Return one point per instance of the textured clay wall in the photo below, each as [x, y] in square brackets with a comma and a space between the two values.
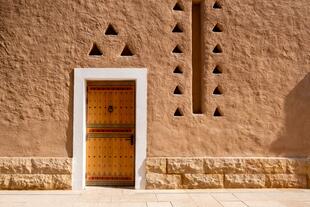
[265, 77]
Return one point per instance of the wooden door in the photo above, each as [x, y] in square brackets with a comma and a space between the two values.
[110, 145]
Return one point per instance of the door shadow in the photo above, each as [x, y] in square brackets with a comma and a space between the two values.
[69, 133]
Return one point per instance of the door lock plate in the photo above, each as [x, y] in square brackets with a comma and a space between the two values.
[110, 109]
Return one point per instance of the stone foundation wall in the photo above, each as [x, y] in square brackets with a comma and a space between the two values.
[175, 172]
[23, 173]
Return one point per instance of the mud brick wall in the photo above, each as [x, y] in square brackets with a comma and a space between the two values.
[263, 84]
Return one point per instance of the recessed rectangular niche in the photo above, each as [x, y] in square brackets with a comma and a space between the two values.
[196, 58]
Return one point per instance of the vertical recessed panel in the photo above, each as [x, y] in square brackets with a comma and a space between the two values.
[196, 58]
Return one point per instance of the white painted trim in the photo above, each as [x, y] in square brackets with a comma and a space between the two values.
[81, 75]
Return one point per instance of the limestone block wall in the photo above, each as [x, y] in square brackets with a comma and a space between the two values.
[24, 173]
[206, 172]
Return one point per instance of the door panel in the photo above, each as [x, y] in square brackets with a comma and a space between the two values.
[120, 98]
[110, 145]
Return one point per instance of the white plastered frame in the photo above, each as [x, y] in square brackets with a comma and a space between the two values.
[81, 76]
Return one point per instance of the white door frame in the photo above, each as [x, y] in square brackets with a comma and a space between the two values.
[81, 76]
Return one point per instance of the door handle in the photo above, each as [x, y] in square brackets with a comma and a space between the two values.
[131, 139]
[110, 108]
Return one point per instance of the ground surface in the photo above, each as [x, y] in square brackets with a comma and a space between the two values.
[158, 198]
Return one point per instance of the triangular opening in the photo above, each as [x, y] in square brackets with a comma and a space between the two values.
[177, 29]
[217, 91]
[177, 7]
[217, 70]
[177, 49]
[217, 5]
[217, 28]
[177, 91]
[178, 112]
[217, 112]
[110, 30]
[217, 49]
[126, 51]
[178, 70]
[95, 51]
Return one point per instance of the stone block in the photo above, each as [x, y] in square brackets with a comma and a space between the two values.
[185, 165]
[245, 165]
[30, 182]
[244, 181]
[298, 166]
[265, 166]
[286, 181]
[55, 165]
[61, 182]
[224, 165]
[34, 182]
[15, 165]
[156, 165]
[162, 181]
[5, 181]
[202, 181]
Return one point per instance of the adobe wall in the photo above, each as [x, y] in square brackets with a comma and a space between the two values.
[265, 76]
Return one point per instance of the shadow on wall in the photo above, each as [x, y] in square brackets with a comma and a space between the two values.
[294, 140]
[69, 133]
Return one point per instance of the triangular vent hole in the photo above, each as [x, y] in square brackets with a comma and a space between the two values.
[177, 70]
[217, 49]
[177, 29]
[178, 112]
[217, 5]
[177, 7]
[217, 70]
[217, 28]
[217, 112]
[110, 30]
[177, 49]
[177, 91]
[126, 51]
[217, 91]
[95, 51]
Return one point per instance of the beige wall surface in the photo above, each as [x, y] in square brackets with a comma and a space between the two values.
[265, 80]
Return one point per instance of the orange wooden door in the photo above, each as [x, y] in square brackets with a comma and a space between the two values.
[110, 133]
